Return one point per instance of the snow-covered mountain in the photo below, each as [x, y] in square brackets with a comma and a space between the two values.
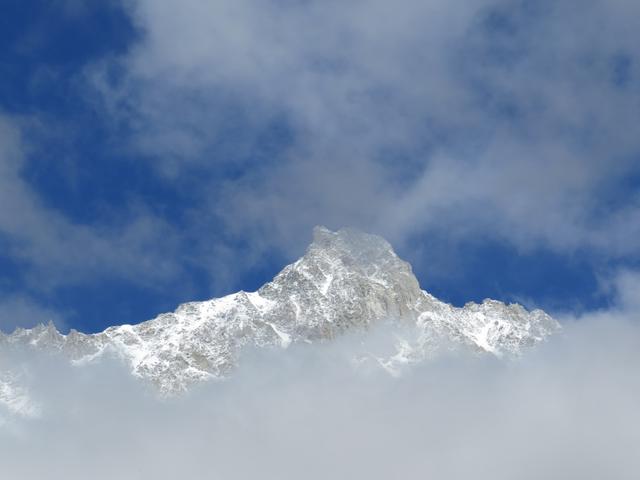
[347, 281]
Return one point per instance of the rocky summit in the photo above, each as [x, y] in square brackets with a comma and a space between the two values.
[347, 281]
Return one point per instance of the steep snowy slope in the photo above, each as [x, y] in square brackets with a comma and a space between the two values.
[347, 281]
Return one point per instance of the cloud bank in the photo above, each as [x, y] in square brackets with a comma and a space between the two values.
[568, 410]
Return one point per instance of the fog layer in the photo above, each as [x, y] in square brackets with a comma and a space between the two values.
[567, 410]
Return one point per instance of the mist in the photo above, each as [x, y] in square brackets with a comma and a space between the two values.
[568, 409]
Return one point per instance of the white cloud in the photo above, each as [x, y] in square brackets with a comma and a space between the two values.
[567, 410]
[411, 118]
[53, 250]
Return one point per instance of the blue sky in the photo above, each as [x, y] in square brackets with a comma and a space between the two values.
[153, 153]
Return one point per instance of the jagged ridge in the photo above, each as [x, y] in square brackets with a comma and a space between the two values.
[347, 280]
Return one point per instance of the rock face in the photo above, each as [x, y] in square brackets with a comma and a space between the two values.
[347, 281]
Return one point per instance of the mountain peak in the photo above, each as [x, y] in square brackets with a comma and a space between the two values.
[350, 251]
[356, 270]
[351, 242]
[347, 281]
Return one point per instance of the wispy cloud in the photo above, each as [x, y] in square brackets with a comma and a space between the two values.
[508, 122]
[20, 311]
[52, 249]
[499, 119]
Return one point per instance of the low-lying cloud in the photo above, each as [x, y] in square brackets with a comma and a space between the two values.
[567, 410]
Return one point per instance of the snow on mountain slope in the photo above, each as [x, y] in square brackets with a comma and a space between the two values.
[347, 281]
